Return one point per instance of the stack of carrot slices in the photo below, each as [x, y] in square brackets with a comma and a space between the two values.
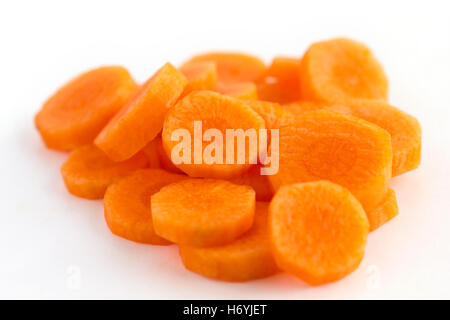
[306, 208]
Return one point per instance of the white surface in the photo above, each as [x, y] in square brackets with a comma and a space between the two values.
[54, 245]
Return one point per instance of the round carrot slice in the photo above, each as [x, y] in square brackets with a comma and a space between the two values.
[87, 172]
[404, 129]
[203, 212]
[127, 204]
[239, 90]
[274, 116]
[244, 259]
[346, 150]
[158, 157]
[300, 107]
[337, 70]
[385, 211]
[200, 111]
[233, 67]
[281, 81]
[272, 113]
[200, 75]
[318, 231]
[141, 119]
[260, 183]
[164, 160]
[78, 111]
[151, 151]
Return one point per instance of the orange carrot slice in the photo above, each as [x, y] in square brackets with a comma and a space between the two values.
[127, 204]
[203, 212]
[337, 70]
[212, 111]
[300, 107]
[78, 111]
[244, 259]
[259, 183]
[87, 172]
[158, 157]
[281, 82]
[346, 150]
[384, 212]
[200, 76]
[151, 151]
[141, 119]
[404, 129]
[318, 231]
[239, 90]
[272, 113]
[233, 67]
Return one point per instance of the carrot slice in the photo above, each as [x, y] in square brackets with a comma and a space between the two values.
[244, 259]
[259, 183]
[200, 76]
[151, 151]
[141, 119]
[384, 212]
[346, 150]
[318, 231]
[337, 70]
[233, 67]
[239, 90]
[405, 131]
[156, 154]
[128, 212]
[300, 107]
[213, 111]
[203, 212]
[272, 113]
[281, 82]
[87, 172]
[78, 111]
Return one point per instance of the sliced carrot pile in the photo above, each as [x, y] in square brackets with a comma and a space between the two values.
[246, 258]
[233, 67]
[78, 111]
[127, 204]
[200, 76]
[212, 111]
[346, 150]
[313, 136]
[338, 70]
[203, 212]
[87, 172]
[385, 211]
[281, 81]
[141, 119]
[240, 90]
[318, 231]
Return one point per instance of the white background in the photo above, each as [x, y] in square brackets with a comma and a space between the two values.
[53, 245]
